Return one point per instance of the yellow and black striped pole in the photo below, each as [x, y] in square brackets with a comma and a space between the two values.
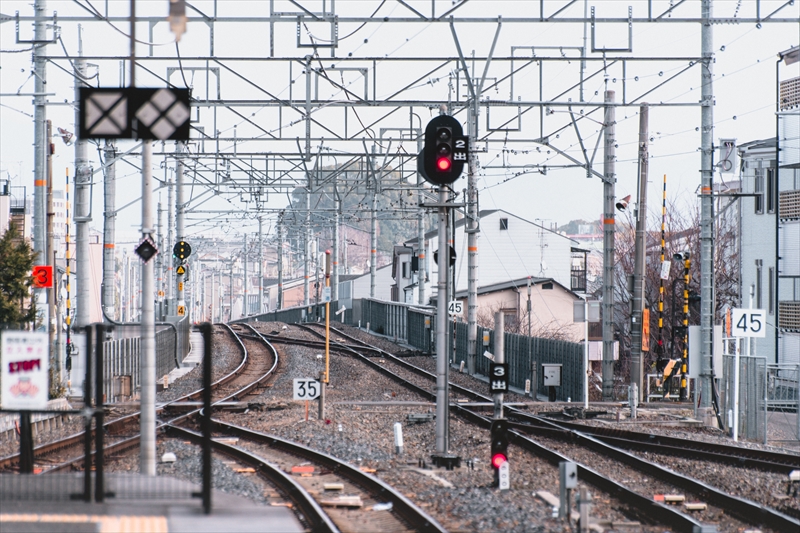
[685, 357]
[660, 349]
[68, 318]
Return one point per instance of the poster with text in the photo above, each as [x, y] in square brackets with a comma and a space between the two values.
[25, 365]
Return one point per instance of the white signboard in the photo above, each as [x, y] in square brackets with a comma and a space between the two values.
[455, 308]
[748, 323]
[326, 294]
[504, 476]
[25, 360]
[665, 266]
[305, 389]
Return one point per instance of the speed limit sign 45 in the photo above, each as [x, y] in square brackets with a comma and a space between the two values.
[748, 323]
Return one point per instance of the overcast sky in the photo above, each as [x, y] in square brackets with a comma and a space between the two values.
[744, 86]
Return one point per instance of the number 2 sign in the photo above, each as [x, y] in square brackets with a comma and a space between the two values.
[748, 322]
[42, 277]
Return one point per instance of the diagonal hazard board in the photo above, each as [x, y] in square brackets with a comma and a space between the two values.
[134, 113]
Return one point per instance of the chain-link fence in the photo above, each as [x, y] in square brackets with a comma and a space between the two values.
[783, 404]
[752, 378]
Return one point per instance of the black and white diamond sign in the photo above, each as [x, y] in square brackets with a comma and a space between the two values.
[134, 113]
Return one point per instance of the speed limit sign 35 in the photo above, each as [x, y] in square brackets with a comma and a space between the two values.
[305, 389]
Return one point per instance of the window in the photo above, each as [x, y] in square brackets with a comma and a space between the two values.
[503, 223]
[771, 190]
[771, 289]
[547, 286]
[405, 269]
[759, 263]
[758, 189]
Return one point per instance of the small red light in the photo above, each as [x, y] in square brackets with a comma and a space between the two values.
[498, 459]
[443, 164]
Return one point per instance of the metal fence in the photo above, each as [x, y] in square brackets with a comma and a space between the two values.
[421, 328]
[122, 356]
[416, 326]
[752, 424]
[783, 403]
[525, 357]
[292, 315]
[386, 318]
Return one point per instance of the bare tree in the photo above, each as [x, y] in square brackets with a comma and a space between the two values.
[682, 234]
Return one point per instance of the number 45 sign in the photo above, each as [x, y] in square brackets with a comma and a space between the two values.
[748, 323]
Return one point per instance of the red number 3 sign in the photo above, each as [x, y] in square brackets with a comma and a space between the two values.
[42, 277]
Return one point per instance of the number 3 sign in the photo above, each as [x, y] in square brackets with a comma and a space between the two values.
[42, 277]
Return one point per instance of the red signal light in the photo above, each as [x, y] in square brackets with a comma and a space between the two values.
[444, 164]
[498, 459]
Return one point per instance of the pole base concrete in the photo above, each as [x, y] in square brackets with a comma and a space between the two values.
[707, 417]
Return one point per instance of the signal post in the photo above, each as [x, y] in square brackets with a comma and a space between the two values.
[441, 163]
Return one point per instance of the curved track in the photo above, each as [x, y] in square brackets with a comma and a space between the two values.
[272, 456]
[241, 380]
[747, 511]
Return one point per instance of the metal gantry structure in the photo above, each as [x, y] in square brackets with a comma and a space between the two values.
[313, 97]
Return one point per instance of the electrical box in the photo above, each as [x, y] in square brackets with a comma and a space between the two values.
[568, 474]
[552, 375]
[726, 156]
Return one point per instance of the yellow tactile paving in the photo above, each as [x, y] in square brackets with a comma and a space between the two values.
[108, 524]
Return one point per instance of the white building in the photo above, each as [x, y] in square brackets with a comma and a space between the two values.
[509, 247]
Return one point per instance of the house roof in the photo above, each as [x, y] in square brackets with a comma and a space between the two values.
[753, 146]
[514, 284]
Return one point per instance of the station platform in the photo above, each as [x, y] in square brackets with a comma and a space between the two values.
[125, 514]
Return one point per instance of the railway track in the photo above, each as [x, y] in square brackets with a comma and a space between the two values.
[67, 453]
[324, 510]
[272, 457]
[419, 380]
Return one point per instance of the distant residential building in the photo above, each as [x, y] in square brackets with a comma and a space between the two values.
[551, 307]
[757, 228]
[788, 214]
[769, 226]
[509, 247]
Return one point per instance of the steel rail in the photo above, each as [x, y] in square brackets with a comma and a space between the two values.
[402, 506]
[315, 516]
[748, 511]
[721, 453]
[119, 423]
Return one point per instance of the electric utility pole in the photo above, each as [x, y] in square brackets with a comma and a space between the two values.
[706, 215]
[637, 298]
[609, 194]
[40, 145]
[83, 208]
[109, 228]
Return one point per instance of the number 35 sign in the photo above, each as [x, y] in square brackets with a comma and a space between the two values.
[305, 389]
[748, 323]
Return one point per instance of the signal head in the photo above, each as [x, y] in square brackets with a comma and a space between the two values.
[445, 151]
[498, 459]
